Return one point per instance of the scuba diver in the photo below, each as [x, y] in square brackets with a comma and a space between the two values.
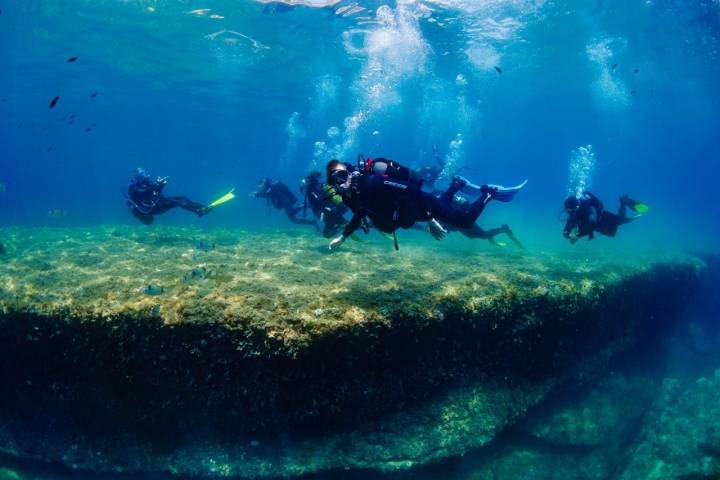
[430, 173]
[586, 216]
[281, 198]
[325, 204]
[457, 201]
[145, 198]
[390, 195]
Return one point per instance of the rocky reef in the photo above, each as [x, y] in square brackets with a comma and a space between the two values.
[260, 354]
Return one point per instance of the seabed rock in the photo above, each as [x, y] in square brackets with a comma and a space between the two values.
[284, 359]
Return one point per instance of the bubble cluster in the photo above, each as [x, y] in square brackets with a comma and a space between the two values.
[580, 170]
[454, 158]
[295, 132]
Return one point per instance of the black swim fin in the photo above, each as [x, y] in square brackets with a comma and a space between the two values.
[512, 237]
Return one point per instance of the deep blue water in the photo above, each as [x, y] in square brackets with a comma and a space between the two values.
[219, 94]
[210, 102]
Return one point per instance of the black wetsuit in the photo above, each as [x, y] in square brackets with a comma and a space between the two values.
[145, 200]
[391, 204]
[323, 207]
[282, 198]
[475, 231]
[589, 217]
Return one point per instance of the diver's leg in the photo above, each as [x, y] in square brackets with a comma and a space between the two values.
[609, 223]
[465, 218]
[446, 212]
[477, 232]
[511, 236]
[167, 203]
[292, 212]
[622, 210]
[470, 188]
[145, 218]
[455, 186]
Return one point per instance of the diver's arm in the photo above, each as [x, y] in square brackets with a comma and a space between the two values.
[349, 229]
[596, 203]
[157, 186]
[352, 225]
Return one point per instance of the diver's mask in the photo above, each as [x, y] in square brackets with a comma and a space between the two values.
[338, 177]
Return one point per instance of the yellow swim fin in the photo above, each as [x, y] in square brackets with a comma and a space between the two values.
[225, 198]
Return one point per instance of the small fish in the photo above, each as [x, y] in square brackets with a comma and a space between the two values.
[204, 245]
[3, 188]
[199, 11]
[498, 69]
[54, 101]
[633, 92]
[88, 129]
[54, 212]
[94, 125]
[72, 116]
[4, 100]
[20, 125]
[72, 59]
[216, 16]
[636, 70]
[155, 311]
[93, 95]
[199, 272]
[614, 66]
[49, 149]
[63, 119]
[2, 249]
[152, 289]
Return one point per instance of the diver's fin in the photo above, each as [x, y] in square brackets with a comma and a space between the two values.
[505, 194]
[355, 237]
[512, 237]
[386, 235]
[225, 198]
[641, 208]
[638, 207]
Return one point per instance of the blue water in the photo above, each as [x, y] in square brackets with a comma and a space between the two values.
[216, 103]
[219, 94]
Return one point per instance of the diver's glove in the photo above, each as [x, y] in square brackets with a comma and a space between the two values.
[336, 242]
[436, 230]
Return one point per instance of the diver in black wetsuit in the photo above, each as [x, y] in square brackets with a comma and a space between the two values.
[430, 173]
[145, 198]
[475, 232]
[281, 198]
[390, 195]
[586, 215]
[325, 204]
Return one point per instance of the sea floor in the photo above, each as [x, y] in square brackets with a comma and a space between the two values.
[617, 413]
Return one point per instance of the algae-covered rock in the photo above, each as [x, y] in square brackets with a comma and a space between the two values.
[681, 435]
[596, 419]
[284, 358]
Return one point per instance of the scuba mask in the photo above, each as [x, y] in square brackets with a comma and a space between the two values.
[338, 177]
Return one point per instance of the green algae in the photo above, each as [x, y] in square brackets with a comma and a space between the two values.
[290, 285]
[394, 359]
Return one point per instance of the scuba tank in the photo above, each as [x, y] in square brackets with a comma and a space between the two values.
[389, 168]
